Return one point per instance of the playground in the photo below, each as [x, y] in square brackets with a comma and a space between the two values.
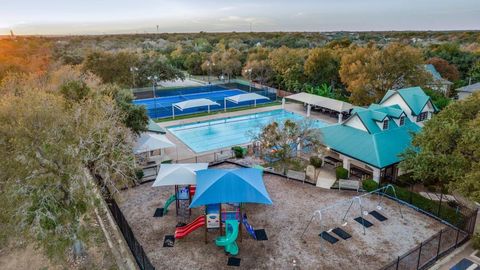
[294, 206]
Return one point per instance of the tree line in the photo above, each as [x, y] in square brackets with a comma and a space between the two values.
[340, 68]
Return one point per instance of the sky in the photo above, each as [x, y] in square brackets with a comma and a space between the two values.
[58, 17]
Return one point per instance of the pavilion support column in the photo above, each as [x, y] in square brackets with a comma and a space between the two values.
[225, 104]
[173, 112]
[376, 175]
[309, 107]
[346, 165]
[340, 117]
[283, 103]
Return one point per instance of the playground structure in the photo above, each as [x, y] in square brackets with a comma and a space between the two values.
[222, 193]
[183, 231]
[361, 219]
[183, 178]
[228, 241]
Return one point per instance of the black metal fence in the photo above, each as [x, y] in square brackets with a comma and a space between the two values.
[137, 249]
[460, 221]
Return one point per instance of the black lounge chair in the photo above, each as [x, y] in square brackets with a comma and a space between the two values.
[328, 237]
[364, 222]
[378, 216]
[341, 233]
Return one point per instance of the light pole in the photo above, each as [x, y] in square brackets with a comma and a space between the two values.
[154, 80]
[210, 65]
[133, 70]
[249, 71]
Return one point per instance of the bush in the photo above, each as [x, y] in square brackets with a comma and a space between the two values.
[341, 173]
[369, 185]
[447, 213]
[316, 162]
[476, 241]
[239, 151]
[139, 174]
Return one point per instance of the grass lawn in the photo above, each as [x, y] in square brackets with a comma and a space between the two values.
[160, 120]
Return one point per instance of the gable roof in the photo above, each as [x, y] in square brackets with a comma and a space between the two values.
[432, 70]
[154, 127]
[379, 149]
[376, 113]
[414, 97]
[470, 88]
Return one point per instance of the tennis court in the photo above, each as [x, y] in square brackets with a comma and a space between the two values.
[161, 106]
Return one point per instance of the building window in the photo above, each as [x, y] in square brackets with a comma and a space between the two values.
[402, 120]
[385, 124]
[422, 116]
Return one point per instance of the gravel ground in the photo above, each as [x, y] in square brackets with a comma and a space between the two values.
[284, 221]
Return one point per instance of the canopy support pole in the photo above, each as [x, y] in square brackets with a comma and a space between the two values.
[224, 104]
[254, 103]
[173, 111]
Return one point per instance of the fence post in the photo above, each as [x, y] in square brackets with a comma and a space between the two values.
[440, 204]
[419, 255]
[398, 262]
[456, 239]
[411, 194]
[439, 244]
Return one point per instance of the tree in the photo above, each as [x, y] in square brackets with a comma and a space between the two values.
[154, 65]
[230, 62]
[321, 66]
[447, 71]
[453, 54]
[280, 140]
[370, 72]
[193, 63]
[112, 67]
[445, 153]
[53, 142]
[288, 67]
[474, 73]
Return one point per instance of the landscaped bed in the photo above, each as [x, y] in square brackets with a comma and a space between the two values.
[284, 221]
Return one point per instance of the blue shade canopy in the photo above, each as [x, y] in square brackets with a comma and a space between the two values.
[230, 186]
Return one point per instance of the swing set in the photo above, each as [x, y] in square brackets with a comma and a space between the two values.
[379, 193]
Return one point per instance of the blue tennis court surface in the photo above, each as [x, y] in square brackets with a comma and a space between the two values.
[225, 132]
[161, 107]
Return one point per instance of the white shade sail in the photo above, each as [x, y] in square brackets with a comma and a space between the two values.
[328, 103]
[193, 103]
[178, 174]
[151, 141]
[245, 97]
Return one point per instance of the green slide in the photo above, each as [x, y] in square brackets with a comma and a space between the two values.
[228, 241]
[167, 204]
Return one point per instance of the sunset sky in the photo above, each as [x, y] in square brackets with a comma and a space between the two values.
[125, 16]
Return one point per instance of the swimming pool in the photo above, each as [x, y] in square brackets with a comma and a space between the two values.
[161, 106]
[225, 132]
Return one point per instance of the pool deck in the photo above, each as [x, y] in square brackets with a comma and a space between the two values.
[183, 152]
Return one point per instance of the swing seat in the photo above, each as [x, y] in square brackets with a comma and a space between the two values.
[328, 237]
[341, 233]
[378, 216]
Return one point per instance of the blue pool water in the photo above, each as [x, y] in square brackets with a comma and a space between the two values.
[161, 106]
[226, 132]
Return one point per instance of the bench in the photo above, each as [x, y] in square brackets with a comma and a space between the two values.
[296, 175]
[348, 184]
[332, 161]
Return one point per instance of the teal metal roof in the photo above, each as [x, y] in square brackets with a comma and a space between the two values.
[379, 149]
[154, 127]
[243, 185]
[415, 98]
[432, 70]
